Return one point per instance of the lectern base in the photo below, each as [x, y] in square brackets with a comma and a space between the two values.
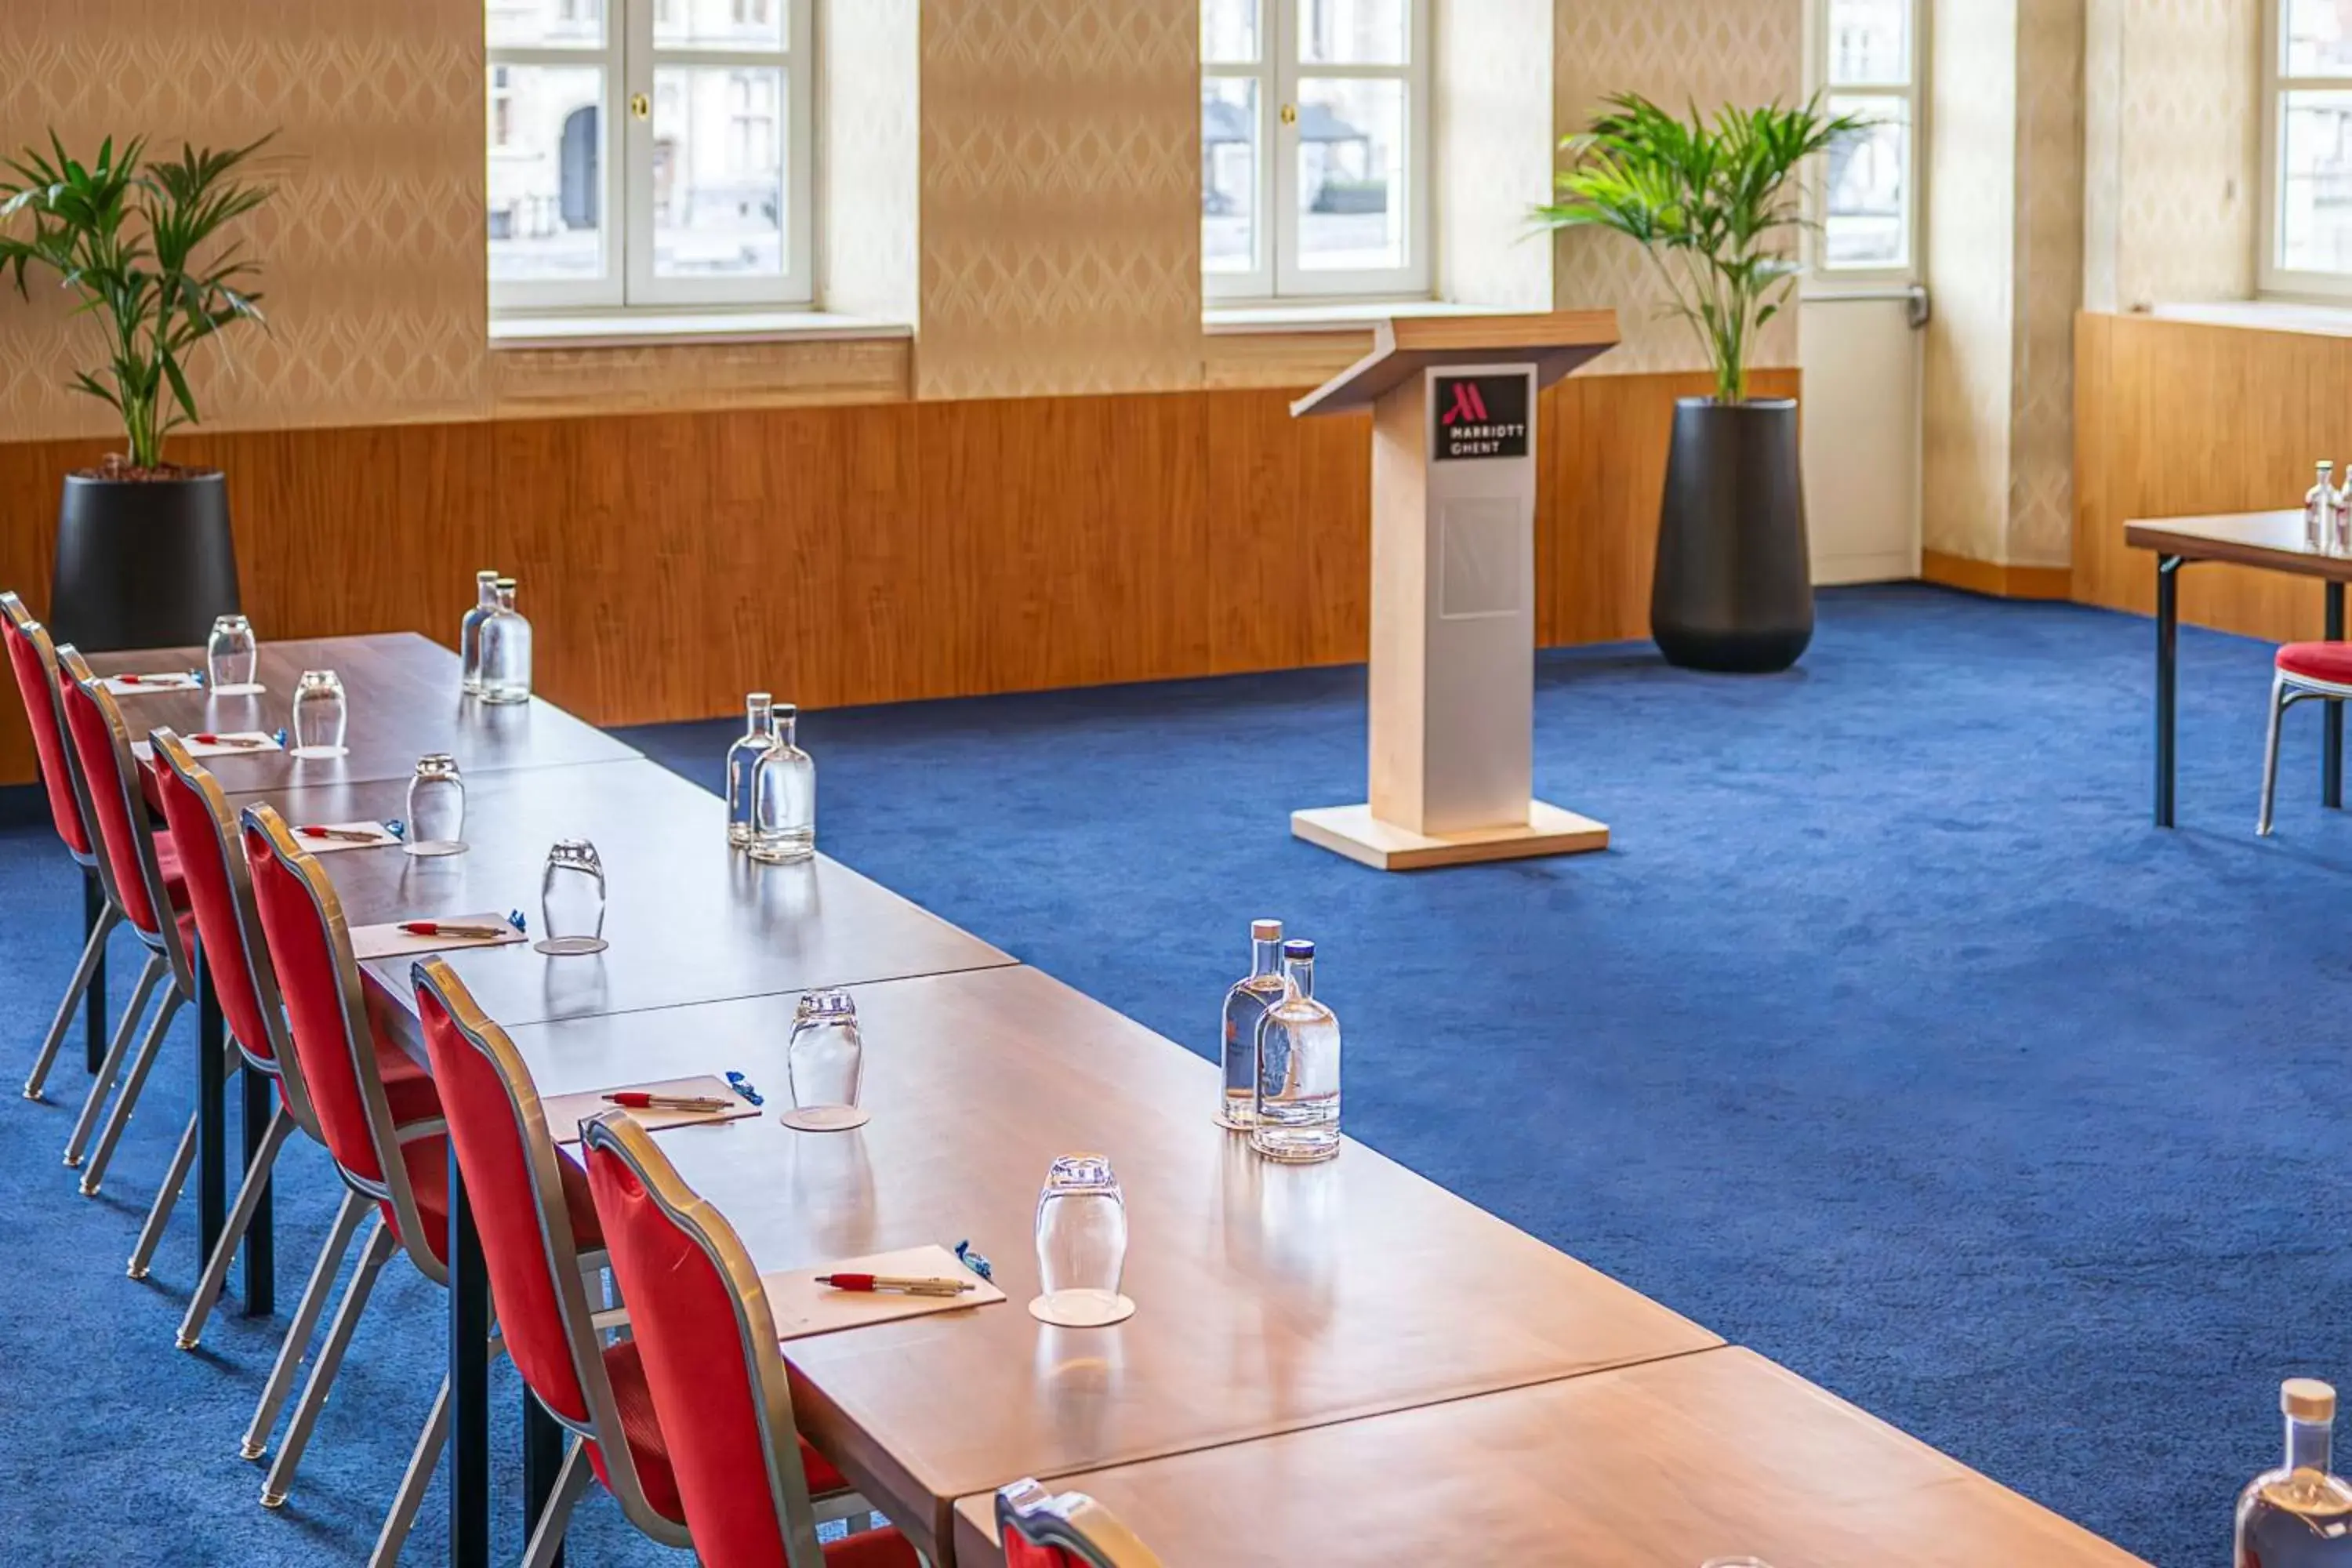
[1355, 832]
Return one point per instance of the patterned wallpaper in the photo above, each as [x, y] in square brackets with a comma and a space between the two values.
[1061, 220]
[374, 243]
[1709, 52]
[2047, 269]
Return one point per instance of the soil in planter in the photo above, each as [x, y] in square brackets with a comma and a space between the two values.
[118, 468]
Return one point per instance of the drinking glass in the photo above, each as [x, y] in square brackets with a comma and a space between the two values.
[571, 899]
[436, 808]
[230, 654]
[825, 1063]
[319, 714]
[1081, 1240]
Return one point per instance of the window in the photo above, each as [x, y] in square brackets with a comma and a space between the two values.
[648, 153]
[1338, 91]
[2307, 149]
[1866, 61]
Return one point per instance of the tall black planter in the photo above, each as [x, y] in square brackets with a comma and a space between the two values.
[1734, 589]
[141, 563]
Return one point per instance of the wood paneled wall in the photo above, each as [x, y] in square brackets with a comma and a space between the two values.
[2174, 418]
[878, 553]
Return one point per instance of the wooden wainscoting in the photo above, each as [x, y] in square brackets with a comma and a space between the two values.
[2175, 418]
[877, 552]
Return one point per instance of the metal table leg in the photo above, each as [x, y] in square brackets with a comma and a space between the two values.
[2331, 759]
[469, 1383]
[260, 1235]
[2168, 677]
[542, 1460]
[93, 910]
[212, 1116]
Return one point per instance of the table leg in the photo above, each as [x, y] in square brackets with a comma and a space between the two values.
[260, 1235]
[543, 1459]
[469, 1383]
[212, 1116]
[2168, 649]
[93, 1007]
[2331, 759]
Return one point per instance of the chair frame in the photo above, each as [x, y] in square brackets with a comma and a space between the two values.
[1072, 1522]
[2287, 689]
[101, 912]
[618, 1133]
[582, 1325]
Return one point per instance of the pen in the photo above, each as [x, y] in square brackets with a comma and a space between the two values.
[240, 743]
[345, 834]
[642, 1099]
[898, 1283]
[440, 928]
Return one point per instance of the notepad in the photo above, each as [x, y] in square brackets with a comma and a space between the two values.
[566, 1112]
[802, 1307]
[143, 685]
[378, 834]
[388, 941]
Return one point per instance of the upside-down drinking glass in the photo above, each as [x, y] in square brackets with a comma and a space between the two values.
[571, 899]
[319, 714]
[1081, 1229]
[230, 654]
[826, 1058]
[436, 807]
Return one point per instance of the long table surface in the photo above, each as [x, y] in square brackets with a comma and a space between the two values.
[2271, 540]
[1269, 1298]
[1664, 1465]
[403, 698]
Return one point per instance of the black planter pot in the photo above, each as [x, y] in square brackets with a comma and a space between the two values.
[1734, 590]
[141, 563]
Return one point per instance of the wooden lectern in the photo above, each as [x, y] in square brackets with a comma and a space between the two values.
[1453, 401]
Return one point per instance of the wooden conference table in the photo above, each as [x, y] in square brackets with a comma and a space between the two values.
[1282, 1309]
[2270, 540]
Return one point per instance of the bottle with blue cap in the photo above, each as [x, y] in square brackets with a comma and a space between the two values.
[1296, 1118]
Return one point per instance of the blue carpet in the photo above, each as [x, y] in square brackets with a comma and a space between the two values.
[1889, 1038]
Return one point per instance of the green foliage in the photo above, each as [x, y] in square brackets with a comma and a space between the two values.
[1711, 205]
[123, 233]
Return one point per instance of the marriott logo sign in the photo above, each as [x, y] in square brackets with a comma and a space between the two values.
[1481, 416]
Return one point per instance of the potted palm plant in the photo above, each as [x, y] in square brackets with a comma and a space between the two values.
[145, 554]
[1713, 205]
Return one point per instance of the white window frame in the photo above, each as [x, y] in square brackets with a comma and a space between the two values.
[1276, 274]
[627, 60]
[1821, 277]
[2273, 278]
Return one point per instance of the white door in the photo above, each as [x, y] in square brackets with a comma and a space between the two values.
[1863, 304]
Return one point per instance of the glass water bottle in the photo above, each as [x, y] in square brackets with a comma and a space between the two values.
[469, 634]
[743, 765]
[2319, 510]
[2299, 1515]
[783, 796]
[1247, 1004]
[506, 649]
[1297, 1110]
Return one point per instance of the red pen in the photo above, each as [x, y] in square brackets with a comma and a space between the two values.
[901, 1284]
[436, 928]
[249, 745]
[645, 1100]
[342, 835]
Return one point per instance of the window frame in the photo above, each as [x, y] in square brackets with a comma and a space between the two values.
[627, 61]
[1824, 276]
[2273, 278]
[1276, 276]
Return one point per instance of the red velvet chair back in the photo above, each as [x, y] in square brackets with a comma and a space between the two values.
[34, 661]
[708, 1343]
[309, 950]
[101, 746]
[1040, 1530]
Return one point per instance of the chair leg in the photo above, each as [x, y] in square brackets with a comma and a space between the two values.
[167, 1197]
[421, 1462]
[306, 1322]
[103, 1084]
[381, 1244]
[92, 954]
[571, 1485]
[2270, 757]
[240, 1218]
[119, 1116]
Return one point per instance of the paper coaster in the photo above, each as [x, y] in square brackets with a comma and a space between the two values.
[433, 847]
[320, 754]
[570, 946]
[243, 688]
[824, 1118]
[1082, 1308]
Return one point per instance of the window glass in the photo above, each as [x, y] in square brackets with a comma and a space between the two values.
[1866, 179]
[719, 182]
[2315, 227]
[1229, 31]
[1351, 173]
[719, 25]
[546, 173]
[544, 24]
[1355, 32]
[2315, 36]
[1869, 43]
[1229, 173]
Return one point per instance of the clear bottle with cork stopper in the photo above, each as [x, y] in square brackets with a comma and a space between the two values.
[1247, 1002]
[2319, 509]
[2298, 1515]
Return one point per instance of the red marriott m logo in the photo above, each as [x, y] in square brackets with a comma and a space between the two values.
[1467, 404]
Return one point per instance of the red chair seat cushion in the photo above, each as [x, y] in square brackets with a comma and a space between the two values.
[871, 1549]
[2329, 661]
[625, 1368]
[427, 1160]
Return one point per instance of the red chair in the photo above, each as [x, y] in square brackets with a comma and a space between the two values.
[382, 1126]
[228, 931]
[708, 1343]
[142, 877]
[34, 662]
[2305, 669]
[1071, 1531]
